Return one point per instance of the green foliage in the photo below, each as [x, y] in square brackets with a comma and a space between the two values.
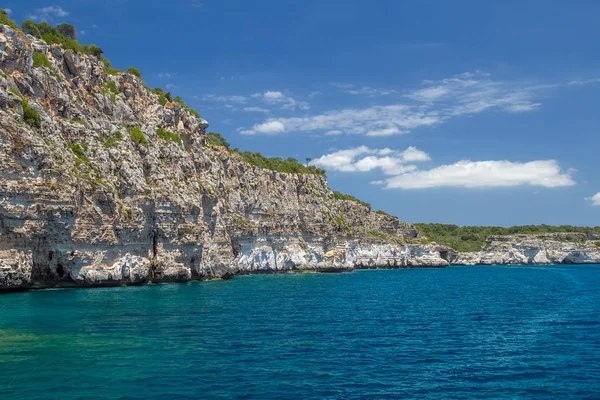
[138, 137]
[93, 50]
[216, 139]
[291, 165]
[16, 91]
[166, 135]
[381, 212]
[134, 71]
[163, 97]
[113, 141]
[40, 60]
[67, 30]
[29, 26]
[342, 196]
[64, 35]
[31, 116]
[110, 88]
[108, 68]
[5, 20]
[79, 151]
[472, 238]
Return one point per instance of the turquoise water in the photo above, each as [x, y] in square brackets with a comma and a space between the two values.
[460, 332]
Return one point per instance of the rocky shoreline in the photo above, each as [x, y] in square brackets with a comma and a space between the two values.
[104, 183]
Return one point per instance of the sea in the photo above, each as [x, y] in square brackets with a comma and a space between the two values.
[483, 332]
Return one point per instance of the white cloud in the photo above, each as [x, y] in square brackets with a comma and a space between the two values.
[595, 199]
[170, 86]
[374, 121]
[314, 94]
[224, 99]
[334, 133]
[8, 11]
[165, 75]
[484, 174]
[283, 101]
[363, 159]
[256, 109]
[47, 13]
[369, 91]
[434, 103]
[268, 128]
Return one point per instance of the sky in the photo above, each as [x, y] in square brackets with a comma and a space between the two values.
[461, 112]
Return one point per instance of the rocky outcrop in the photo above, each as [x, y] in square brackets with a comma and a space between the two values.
[556, 248]
[87, 199]
[95, 195]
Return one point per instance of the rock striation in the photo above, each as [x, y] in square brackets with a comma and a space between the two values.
[96, 196]
[554, 248]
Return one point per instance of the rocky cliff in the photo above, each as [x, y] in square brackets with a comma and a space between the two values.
[101, 183]
[554, 248]
[111, 187]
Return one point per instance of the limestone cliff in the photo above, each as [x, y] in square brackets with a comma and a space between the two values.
[554, 248]
[110, 187]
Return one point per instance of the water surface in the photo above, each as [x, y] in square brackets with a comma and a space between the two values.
[459, 332]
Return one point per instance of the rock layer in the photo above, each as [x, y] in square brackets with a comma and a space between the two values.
[84, 201]
[87, 200]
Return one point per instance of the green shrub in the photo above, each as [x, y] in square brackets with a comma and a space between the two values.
[79, 151]
[31, 116]
[291, 165]
[166, 135]
[342, 196]
[163, 96]
[381, 212]
[180, 101]
[67, 30]
[5, 20]
[134, 71]
[112, 141]
[472, 238]
[40, 60]
[110, 88]
[28, 26]
[138, 137]
[216, 139]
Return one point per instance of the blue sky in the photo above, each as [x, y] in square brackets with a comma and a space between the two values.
[464, 112]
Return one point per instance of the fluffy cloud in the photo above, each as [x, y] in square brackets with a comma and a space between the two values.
[434, 103]
[283, 101]
[373, 121]
[268, 128]
[363, 159]
[256, 109]
[484, 174]
[225, 99]
[404, 174]
[47, 13]
[595, 199]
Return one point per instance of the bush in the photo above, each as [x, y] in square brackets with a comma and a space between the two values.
[93, 50]
[67, 30]
[31, 116]
[138, 137]
[163, 96]
[381, 212]
[40, 60]
[166, 135]
[342, 196]
[291, 165]
[79, 150]
[5, 20]
[472, 238]
[110, 88]
[134, 71]
[112, 141]
[29, 27]
[216, 139]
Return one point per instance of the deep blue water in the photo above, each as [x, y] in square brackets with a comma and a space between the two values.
[460, 332]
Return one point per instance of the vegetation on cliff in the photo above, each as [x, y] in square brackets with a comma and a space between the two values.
[472, 238]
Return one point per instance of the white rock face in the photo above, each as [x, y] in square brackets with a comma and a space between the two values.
[94, 196]
[534, 249]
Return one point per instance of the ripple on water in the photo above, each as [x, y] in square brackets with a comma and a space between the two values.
[464, 332]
